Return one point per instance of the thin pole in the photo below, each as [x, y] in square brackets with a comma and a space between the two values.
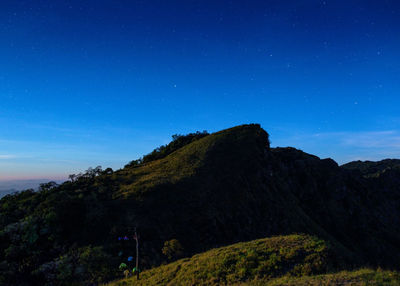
[137, 255]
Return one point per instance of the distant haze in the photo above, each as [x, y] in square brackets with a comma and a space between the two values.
[11, 186]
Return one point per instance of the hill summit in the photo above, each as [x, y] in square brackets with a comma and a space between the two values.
[205, 191]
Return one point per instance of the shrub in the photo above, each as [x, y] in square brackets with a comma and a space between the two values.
[172, 249]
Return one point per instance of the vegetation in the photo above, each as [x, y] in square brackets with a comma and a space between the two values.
[362, 277]
[172, 249]
[296, 255]
[178, 141]
[204, 191]
[374, 169]
[281, 260]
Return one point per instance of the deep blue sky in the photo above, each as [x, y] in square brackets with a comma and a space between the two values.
[87, 83]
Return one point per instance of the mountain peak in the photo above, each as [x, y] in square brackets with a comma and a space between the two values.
[205, 190]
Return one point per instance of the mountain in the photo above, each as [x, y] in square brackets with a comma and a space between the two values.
[374, 169]
[205, 191]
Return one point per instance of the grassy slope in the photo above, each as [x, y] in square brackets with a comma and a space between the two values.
[186, 161]
[356, 278]
[280, 260]
[245, 262]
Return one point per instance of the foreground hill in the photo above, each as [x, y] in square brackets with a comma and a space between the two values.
[362, 277]
[281, 260]
[243, 262]
[205, 191]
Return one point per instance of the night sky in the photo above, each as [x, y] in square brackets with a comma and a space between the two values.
[87, 83]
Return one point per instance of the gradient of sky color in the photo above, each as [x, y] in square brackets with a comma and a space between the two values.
[87, 83]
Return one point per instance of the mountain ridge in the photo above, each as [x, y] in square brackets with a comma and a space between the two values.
[222, 188]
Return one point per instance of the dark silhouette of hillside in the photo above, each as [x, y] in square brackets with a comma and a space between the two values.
[212, 190]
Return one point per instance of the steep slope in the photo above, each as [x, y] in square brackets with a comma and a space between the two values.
[219, 189]
[352, 209]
